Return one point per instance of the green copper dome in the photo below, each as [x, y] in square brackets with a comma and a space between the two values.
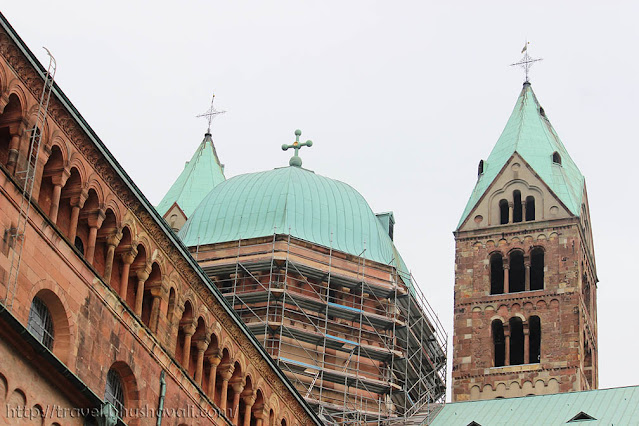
[201, 174]
[294, 201]
[530, 134]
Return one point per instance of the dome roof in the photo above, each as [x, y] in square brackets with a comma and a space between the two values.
[294, 201]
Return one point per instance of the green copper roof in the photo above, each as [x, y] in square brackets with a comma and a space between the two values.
[618, 406]
[199, 177]
[294, 201]
[530, 134]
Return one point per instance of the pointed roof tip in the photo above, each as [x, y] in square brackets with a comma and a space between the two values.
[200, 175]
[529, 133]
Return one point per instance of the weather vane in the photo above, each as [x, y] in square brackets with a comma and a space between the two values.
[211, 113]
[295, 160]
[527, 61]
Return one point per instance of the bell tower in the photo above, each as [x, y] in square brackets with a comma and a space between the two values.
[525, 278]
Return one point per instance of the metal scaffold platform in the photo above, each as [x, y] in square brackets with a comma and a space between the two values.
[358, 339]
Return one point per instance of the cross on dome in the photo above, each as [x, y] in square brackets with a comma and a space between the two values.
[295, 160]
[527, 61]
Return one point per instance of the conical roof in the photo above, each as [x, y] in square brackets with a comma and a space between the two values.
[530, 134]
[200, 175]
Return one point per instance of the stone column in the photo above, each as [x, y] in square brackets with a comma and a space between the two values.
[526, 344]
[249, 400]
[95, 220]
[55, 202]
[214, 360]
[127, 259]
[14, 151]
[156, 293]
[189, 330]
[226, 373]
[507, 348]
[237, 387]
[510, 211]
[142, 274]
[527, 274]
[112, 242]
[523, 211]
[506, 276]
[201, 346]
[77, 202]
[59, 179]
[260, 415]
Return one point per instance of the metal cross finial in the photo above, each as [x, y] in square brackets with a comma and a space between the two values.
[295, 160]
[211, 113]
[527, 61]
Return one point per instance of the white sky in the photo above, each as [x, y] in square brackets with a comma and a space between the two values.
[401, 99]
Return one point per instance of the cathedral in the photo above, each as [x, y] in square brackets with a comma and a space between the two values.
[279, 297]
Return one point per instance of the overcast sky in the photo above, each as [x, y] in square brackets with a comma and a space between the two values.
[401, 100]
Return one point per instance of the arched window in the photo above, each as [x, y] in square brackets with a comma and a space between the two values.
[516, 341]
[40, 323]
[503, 212]
[537, 269]
[517, 273]
[79, 245]
[530, 208]
[534, 347]
[556, 158]
[496, 274]
[499, 343]
[114, 392]
[517, 207]
[480, 168]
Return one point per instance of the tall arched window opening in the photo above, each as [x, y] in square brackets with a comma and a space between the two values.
[499, 343]
[517, 207]
[517, 274]
[496, 274]
[534, 343]
[516, 341]
[537, 269]
[114, 392]
[588, 370]
[40, 323]
[530, 208]
[586, 291]
[503, 212]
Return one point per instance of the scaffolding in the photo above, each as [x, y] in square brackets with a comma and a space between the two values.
[357, 338]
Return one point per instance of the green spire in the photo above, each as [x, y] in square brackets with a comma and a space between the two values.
[295, 160]
[200, 175]
[530, 134]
